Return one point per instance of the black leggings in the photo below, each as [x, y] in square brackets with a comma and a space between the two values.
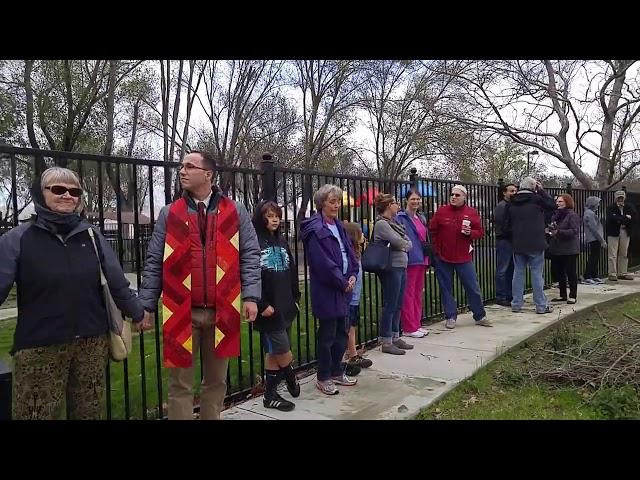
[591, 271]
[564, 266]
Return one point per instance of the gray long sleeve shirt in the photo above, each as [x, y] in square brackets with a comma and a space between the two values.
[399, 245]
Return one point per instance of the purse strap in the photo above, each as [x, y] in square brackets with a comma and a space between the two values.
[373, 231]
[426, 225]
[103, 280]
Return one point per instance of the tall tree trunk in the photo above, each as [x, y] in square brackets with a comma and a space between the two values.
[174, 125]
[165, 86]
[606, 163]
[134, 129]
[33, 141]
[107, 150]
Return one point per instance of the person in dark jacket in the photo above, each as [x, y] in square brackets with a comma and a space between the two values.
[620, 220]
[415, 225]
[593, 236]
[524, 222]
[278, 306]
[204, 258]
[334, 268]
[60, 344]
[564, 247]
[504, 253]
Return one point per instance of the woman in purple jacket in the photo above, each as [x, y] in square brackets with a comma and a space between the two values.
[415, 225]
[564, 247]
[333, 268]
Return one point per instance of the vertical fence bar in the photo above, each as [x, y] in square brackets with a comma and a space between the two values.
[14, 190]
[138, 266]
[296, 258]
[125, 364]
[100, 167]
[304, 179]
[157, 328]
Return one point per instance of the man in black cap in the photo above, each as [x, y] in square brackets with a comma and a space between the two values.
[620, 218]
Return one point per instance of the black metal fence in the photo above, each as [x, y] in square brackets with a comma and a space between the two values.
[115, 186]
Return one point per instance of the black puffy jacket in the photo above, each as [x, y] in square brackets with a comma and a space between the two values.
[280, 287]
[615, 219]
[58, 284]
[524, 221]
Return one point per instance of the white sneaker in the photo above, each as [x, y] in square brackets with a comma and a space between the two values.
[424, 330]
[416, 334]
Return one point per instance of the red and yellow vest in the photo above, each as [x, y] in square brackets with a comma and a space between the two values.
[194, 275]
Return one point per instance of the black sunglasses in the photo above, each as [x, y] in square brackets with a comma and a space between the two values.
[60, 190]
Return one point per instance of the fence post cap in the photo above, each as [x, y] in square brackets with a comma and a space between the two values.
[413, 170]
[267, 157]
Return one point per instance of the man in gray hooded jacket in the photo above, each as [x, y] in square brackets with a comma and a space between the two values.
[594, 237]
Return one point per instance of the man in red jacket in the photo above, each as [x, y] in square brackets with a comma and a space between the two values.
[453, 228]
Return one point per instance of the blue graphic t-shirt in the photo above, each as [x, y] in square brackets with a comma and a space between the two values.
[274, 258]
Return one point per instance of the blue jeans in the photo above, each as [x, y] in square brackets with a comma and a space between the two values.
[536, 264]
[504, 269]
[333, 337]
[467, 274]
[393, 285]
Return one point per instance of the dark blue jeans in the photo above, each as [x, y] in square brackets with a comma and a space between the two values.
[504, 270]
[467, 274]
[393, 285]
[333, 337]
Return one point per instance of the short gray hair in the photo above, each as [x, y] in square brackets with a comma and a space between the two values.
[528, 183]
[59, 175]
[55, 175]
[324, 192]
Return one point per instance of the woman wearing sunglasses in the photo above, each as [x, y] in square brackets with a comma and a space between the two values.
[60, 344]
[453, 227]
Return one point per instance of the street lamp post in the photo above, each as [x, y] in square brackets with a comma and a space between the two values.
[534, 152]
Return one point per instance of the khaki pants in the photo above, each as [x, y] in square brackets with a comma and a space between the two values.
[618, 248]
[214, 370]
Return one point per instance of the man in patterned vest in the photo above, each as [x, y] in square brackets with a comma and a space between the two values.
[204, 258]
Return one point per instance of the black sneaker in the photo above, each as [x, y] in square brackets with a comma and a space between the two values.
[352, 369]
[293, 387]
[360, 361]
[279, 403]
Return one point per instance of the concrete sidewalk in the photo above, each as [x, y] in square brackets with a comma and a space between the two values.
[7, 313]
[398, 387]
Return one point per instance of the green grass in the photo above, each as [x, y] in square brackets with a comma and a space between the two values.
[11, 301]
[502, 390]
[7, 327]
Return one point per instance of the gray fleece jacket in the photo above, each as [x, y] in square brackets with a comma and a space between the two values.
[399, 245]
[593, 230]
